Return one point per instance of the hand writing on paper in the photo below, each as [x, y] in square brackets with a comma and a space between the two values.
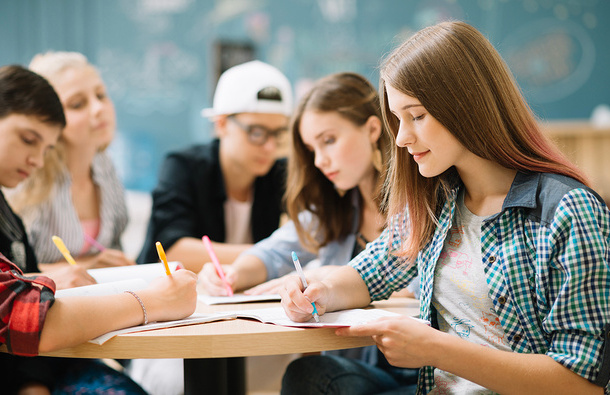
[297, 304]
[405, 342]
[171, 297]
[211, 281]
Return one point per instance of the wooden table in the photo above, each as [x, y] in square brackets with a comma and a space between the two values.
[202, 344]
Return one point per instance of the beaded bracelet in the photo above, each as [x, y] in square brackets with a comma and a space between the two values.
[135, 295]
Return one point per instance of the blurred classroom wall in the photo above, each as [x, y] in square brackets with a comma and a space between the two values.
[161, 58]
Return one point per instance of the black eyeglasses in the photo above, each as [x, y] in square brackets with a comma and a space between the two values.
[259, 134]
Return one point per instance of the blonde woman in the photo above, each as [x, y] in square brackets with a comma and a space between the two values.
[77, 195]
[33, 321]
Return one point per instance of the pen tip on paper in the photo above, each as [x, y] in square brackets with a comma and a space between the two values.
[315, 313]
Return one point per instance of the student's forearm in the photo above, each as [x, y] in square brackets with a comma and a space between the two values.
[192, 253]
[250, 270]
[319, 273]
[50, 267]
[506, 372]
[347, 289]
[74, 320]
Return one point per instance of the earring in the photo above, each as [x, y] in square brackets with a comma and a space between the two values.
[377, 162]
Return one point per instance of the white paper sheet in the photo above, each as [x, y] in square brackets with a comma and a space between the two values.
[147, 272]
[276, 315]
[238, 298]
[110, 288]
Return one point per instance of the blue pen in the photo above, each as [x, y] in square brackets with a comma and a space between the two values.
[297, 265]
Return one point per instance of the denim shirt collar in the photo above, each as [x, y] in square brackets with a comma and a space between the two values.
[523, 191]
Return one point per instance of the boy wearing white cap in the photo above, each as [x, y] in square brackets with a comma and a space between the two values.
[231, 188]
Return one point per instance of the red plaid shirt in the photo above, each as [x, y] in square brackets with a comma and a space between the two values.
[24, 302]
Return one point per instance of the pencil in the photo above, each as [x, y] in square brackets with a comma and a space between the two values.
[163, 257]
[63, 249]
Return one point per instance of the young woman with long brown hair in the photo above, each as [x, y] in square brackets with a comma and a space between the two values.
[339, 154]
[510, 243]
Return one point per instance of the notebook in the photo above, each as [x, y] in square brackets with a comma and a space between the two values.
[114, 280]
[109, 288]
[238, 298]
[277, 316]
[193, 319]
[147, 272]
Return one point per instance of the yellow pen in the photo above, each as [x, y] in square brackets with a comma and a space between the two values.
[163, 257]
[62, 248]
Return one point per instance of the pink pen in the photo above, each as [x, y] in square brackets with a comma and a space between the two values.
[208, 246]
[94, 243]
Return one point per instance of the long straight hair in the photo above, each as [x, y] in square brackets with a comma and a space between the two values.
[354, 98]
[463, 82]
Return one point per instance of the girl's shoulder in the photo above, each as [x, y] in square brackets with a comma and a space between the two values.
[554, 188]
[558, 191]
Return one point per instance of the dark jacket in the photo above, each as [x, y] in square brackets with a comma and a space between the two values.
[189, 200]
[27, 262]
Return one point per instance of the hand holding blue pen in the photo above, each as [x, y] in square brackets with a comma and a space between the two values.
[299, 269]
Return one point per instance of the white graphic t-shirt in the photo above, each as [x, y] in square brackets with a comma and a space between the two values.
[461, 297]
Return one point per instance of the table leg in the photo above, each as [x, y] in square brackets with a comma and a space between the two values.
[222, 376]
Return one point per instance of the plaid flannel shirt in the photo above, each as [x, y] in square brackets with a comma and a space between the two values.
[24, 302]
[546, 262]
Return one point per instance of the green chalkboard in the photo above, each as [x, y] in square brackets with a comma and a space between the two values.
[161, 59]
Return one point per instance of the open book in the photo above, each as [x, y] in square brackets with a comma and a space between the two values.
[273, 315]
[277, 316]
[193, 319]
[114, 280]
[146, 272]
[110, 288]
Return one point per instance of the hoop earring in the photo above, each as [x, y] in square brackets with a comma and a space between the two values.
[377, 161]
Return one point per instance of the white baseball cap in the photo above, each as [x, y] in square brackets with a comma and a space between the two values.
[254, 87]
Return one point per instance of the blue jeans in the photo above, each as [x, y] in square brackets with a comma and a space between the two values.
[323, 374]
